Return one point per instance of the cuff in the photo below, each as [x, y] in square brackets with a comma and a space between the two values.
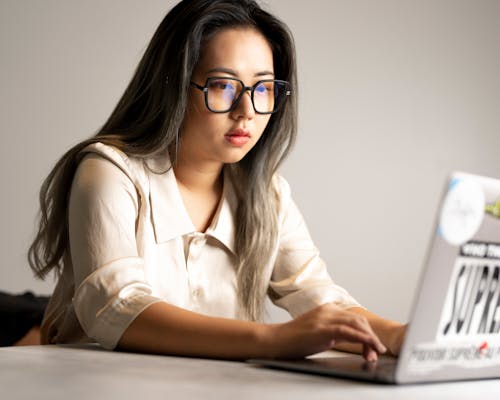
[110, 298]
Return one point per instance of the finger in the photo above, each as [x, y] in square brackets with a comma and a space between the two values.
[369, 354]
[361, 325]
[345, 333]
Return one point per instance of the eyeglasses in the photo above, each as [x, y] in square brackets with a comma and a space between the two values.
[224, 94]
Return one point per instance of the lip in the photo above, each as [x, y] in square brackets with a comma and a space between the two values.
[238, 137]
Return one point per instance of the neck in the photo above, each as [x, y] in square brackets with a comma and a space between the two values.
[205, 177]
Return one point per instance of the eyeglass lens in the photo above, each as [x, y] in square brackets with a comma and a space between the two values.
[222, 93]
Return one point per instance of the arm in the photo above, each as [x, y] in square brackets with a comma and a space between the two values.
[300, 280]
[167, 329]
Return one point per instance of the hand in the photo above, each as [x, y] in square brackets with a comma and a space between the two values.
[396, 338]
[319, 329]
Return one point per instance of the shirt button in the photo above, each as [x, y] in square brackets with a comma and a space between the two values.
[194, 252]
[198, 240]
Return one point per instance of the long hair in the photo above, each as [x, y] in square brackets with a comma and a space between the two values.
[147, 121]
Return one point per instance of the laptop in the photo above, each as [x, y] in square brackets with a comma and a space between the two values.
[454, 330]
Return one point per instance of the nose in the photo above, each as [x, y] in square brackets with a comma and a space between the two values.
[244, 108]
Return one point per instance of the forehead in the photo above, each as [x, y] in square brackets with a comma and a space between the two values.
[244, 50]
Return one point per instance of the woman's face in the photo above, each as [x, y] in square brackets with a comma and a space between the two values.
[212, 138]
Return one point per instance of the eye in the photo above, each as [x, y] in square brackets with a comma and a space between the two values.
[264, 88]
[222, 85]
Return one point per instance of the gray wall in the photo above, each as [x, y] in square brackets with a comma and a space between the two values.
[394, 94]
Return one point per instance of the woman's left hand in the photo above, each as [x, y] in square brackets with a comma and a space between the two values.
[391, 333]
[395, 339]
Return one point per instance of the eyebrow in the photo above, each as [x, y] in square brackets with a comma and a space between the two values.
[234, 73]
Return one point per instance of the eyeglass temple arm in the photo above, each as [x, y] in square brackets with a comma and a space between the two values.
[195, 85]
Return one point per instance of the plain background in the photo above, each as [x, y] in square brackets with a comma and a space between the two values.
[394, 94]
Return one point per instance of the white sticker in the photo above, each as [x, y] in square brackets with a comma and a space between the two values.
[462, 212]
[471, 311]
[425, 358]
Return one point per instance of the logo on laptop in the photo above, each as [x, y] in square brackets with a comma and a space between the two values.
[483, 348]
[462, 212]
[428, 357]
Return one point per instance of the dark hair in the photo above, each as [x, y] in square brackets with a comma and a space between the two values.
[147, 121]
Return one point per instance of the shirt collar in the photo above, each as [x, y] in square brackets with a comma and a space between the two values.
[222, 227]
[169, 215]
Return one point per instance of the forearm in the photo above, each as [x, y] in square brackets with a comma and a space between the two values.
[166, 329]
[389, 332]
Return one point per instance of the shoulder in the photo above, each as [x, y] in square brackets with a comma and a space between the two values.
[105, 173]
[281, 186]
[105, 160]
[283, 192]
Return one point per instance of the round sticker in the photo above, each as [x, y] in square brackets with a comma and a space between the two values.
[462, 212]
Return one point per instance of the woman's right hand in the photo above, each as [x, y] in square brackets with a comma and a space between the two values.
[319, 330]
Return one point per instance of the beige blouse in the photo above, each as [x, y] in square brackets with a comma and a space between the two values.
[132, 243]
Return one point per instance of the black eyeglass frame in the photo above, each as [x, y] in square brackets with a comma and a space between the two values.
[244, 89]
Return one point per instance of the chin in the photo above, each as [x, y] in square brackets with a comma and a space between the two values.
[234, 155]
[233, 159]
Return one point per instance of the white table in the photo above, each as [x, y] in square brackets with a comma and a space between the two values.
[89, 372]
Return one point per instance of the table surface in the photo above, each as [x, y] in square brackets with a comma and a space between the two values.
[89, 372]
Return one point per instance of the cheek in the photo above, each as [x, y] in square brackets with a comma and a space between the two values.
[195, 107]
[201, 125]
[262, 123]
[196, 115]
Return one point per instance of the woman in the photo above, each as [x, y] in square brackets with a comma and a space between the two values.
[177, 224]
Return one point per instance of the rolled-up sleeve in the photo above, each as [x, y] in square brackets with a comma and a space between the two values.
[110, 282]
[300, 280]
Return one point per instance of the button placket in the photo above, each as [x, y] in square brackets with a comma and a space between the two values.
[195, 248]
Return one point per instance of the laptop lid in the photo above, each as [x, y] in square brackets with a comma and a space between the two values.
[454, 331]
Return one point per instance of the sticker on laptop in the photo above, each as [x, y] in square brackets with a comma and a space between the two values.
[428, 357]
[468, 333]
[462, 212]
[493, 209]
[472, 305]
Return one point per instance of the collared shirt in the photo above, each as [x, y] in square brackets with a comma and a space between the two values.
[132, 243]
